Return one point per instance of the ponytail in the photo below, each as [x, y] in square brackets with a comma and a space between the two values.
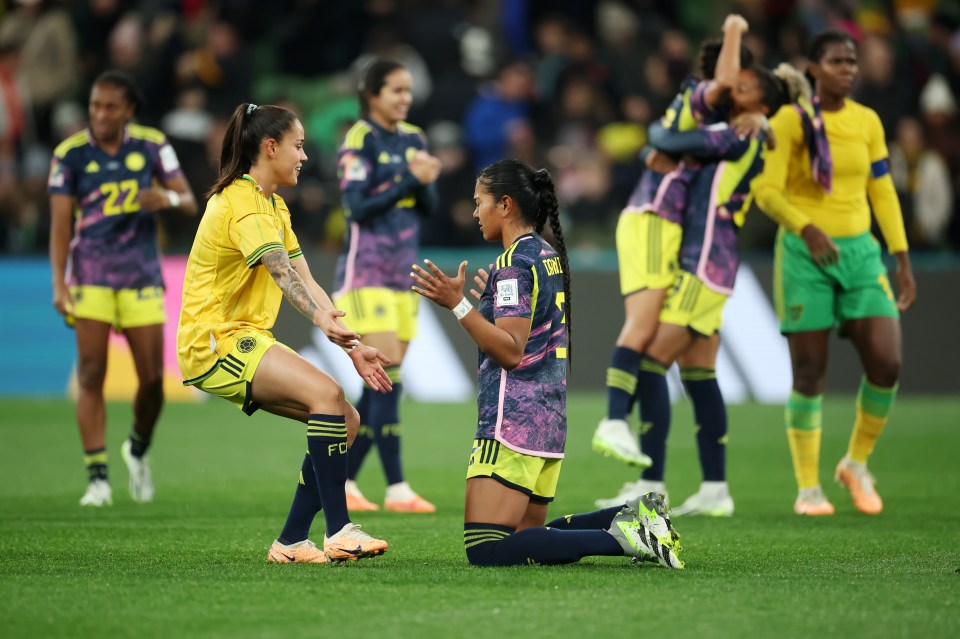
[548, 209]
[248, 127]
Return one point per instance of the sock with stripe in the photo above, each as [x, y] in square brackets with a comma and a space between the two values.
[306, 504]
[96, 463]
[495, 545]
[596, 520]
[622, 382]
[364, 441]
[327, 446]
[710, 414]
[385, 423]
[804, 417]
[139, 442]
[654, 397]
[873, 409]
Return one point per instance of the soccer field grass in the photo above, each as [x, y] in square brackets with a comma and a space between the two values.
[193, 562]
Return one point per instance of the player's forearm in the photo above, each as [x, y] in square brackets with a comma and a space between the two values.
[772, 202]
[498, 344]
[294, 288]
[886, 208]
[360, 207]
[728, 62]
[59, 246]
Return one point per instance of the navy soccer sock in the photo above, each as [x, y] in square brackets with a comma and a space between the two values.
[494, 545]
[327, 445]
[96, 463]
[710, 414]
[622, 382]
[306, 504]
[139, 442]
[654, 397]
[364, 441]
[385, 422]
[598, 519]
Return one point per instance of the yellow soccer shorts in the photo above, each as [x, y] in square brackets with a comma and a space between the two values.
[533, 476]
[121, 308]
[380, 310]
[648, 247]
[692, 304]
[233, 376]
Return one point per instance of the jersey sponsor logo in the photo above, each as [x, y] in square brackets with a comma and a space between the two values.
[135, 161]
[507, 293]
[92, 167]
[246, 344]
[56, 174]
[168, 159]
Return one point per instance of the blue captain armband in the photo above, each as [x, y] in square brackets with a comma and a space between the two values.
[880, 168]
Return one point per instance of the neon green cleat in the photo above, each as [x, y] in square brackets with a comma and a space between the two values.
[641, 543]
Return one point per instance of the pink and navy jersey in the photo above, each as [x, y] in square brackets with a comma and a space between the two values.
[526, 408]
[383, 203]
[665, 195]
[115, 241]
[718, 201]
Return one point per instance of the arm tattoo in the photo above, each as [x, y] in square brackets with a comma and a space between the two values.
[290, 282]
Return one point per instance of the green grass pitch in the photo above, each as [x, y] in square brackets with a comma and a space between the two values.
[193, 562]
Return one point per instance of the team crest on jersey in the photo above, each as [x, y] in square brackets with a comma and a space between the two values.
[380, 310]
[92, 167]
[56, 174]
[354, 170]
[246, 344]
[383, 158]
[507, 294]
[135, 161]
[796, 312]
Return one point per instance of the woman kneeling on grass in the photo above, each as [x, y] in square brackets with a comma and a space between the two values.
[522, 327]
[245, 257]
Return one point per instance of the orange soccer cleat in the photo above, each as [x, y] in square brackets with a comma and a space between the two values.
[415, 504]
[351, 543]
[304, 552]
[860, 483]
[812, 502]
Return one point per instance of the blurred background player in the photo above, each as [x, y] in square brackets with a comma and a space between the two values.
[244, 259]
[718, 198]
[387, 181]
[649, 237]
[522, 327]
[828, 171]
[107, 182]
[648, 242]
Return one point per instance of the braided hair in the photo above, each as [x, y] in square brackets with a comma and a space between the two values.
[536, 198]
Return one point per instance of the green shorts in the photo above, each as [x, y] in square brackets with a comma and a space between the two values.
[380, 310]
[811, 298]
[534, 476]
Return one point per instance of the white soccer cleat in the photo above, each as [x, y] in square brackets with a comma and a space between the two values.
[712, 500]
[141, 480]
[613, 438]
[98, 494]
[633, 490]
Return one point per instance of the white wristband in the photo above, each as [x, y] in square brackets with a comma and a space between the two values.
[460, 310]
[174, 198]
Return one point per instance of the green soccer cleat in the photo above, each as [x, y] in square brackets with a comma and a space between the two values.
[641, 543]
[651, 509]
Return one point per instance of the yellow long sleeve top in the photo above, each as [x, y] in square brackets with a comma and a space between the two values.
[788, 193]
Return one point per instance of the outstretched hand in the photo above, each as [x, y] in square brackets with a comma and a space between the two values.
[481, 281]
[333, 327]
[435, 285]
[369, 363]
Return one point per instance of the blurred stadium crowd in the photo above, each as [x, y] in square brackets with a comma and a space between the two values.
[568, 84]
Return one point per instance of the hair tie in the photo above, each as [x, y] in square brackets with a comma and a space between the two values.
[251, 108]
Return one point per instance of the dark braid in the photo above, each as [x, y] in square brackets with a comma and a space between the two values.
[549, 209]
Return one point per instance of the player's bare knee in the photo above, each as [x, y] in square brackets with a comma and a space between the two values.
[91, 374]
[884, 373]
[808, 376]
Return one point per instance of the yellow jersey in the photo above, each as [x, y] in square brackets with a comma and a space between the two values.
[788, 192]
[225, 287]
